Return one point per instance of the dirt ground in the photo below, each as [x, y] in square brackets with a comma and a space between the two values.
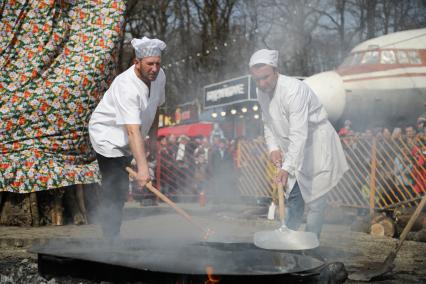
[231, 223]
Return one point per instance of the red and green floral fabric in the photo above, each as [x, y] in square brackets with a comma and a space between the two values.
[56, 60]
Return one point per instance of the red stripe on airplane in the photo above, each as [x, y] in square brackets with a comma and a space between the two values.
[368, 68]
[387, 76]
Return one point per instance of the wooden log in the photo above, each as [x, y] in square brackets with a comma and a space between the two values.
[79, 191]
[419, 236]
[377, 217]
[4, 210]
[377, 230]
[1, 200]
[16, 210]
[402, 215]
[384, 226]
[35, 215]
[57, 212]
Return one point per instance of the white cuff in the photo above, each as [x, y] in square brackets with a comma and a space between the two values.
[288, 168]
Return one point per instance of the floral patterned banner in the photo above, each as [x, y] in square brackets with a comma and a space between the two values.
[56, 60]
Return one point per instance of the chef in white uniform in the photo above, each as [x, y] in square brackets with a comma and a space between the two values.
[301, 141]
[119, 124]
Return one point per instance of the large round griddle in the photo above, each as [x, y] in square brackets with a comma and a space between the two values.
[182, 258]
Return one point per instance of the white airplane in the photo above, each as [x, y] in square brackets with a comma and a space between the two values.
[382, 82]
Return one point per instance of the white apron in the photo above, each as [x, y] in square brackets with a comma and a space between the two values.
[296, 123]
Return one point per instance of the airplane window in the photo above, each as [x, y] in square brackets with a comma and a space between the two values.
[388, 57]
[414, 57]
[357, 58]
[370, 57]
[402, 57]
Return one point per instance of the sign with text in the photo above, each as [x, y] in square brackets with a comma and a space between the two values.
[229, 92]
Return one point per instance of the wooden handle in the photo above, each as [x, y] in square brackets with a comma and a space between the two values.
[410, 224]
[281, 201]
[280, 191]
[180, 211]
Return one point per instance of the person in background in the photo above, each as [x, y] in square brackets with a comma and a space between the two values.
[119, 124]
[172, 142]
[296, 125]
[401, 170]
[183, 162]
[386, 133]
[173, 169]
[346, 129]
[421, 124]
[201, 158]
[165, 161]
[397, 133]
[217, 133]
[410, 135]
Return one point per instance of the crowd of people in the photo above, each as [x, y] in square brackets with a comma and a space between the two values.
[191, 165]
[400, 156]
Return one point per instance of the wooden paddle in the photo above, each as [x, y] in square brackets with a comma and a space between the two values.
[207, 232]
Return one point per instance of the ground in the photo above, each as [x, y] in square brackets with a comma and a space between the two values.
[231, 223]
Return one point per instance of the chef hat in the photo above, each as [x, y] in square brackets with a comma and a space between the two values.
[264, 56]
[146, 47]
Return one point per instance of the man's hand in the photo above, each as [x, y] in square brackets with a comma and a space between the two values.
[281, 177]
[142, 177]
[276, 158]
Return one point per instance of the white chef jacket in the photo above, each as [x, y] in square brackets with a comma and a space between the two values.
[127, 101]
[296, 123]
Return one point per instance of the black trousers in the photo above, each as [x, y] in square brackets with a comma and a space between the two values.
[115, 187]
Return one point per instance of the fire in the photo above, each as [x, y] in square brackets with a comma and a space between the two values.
[212, 279]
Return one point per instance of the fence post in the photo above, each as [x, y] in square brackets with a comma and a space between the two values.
[373, 176]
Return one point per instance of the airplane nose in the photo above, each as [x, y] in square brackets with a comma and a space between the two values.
[328, 86]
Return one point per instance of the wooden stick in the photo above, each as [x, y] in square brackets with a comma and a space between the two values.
[280, 188]
[410, 224]
[207, 232]
[373, 177]
[281, 201]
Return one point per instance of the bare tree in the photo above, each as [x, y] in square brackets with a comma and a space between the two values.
[212, 40]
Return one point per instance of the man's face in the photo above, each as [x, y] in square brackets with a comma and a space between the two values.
[409, 132]
[265, 77]
[148, 67]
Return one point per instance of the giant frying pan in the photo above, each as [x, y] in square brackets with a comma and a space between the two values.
[182, 258]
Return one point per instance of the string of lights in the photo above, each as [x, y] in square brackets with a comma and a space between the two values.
[206, 52]
[242, 111]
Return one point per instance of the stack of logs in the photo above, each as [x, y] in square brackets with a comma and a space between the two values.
[392, 223]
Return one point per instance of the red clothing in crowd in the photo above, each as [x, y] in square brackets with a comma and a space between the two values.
[419, 172]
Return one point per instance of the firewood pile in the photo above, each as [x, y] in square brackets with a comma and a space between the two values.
[391, 224]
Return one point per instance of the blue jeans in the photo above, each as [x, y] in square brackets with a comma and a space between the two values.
[295, 206]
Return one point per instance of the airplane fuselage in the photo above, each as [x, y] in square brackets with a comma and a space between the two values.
[382, 83]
